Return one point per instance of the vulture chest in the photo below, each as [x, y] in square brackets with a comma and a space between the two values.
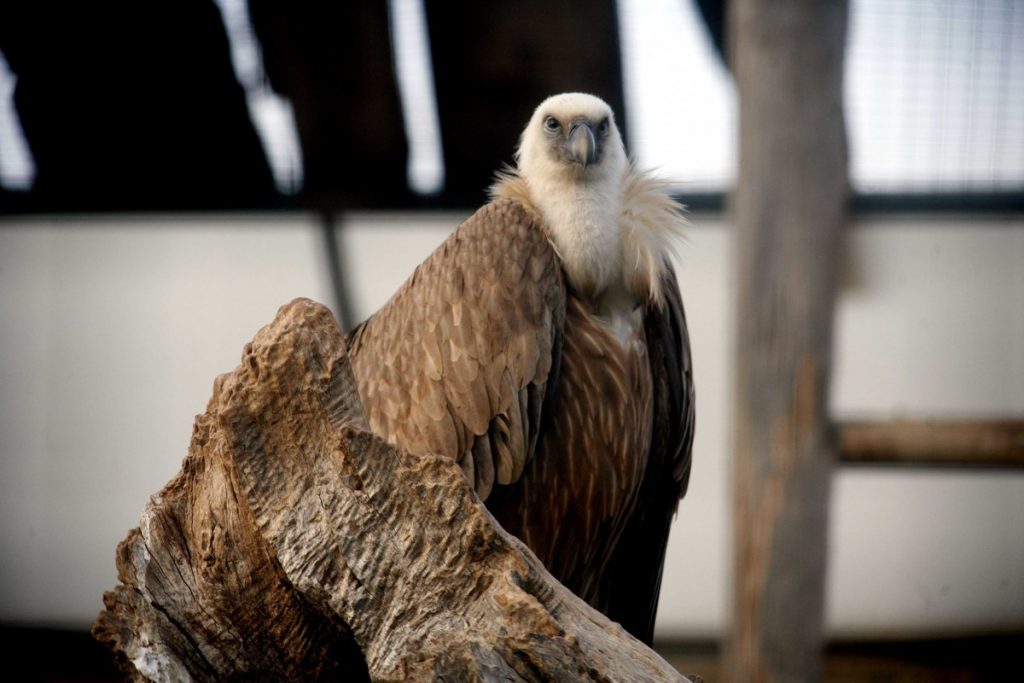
[576, 494]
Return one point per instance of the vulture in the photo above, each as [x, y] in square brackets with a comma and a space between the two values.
[543, 346]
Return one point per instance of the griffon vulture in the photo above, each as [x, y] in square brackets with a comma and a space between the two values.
[544, 347]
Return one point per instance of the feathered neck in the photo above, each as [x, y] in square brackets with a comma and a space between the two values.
[649, 222]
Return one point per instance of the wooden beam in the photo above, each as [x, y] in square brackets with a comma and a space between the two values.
[788, 210]
[953, 443]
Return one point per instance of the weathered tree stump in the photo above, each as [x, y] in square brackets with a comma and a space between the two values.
[295, 545]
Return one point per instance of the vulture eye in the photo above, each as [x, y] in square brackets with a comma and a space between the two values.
[551, 124]
[603, 126]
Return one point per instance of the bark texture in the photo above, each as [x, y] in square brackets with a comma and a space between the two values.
[295, 545]
[789, 209]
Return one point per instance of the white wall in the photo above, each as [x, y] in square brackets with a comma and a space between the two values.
[112, 331]
[111, 334]
[930, 324]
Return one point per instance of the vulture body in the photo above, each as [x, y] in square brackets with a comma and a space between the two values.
[544, 347]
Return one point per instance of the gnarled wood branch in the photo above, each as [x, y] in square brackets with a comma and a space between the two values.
[295, 545]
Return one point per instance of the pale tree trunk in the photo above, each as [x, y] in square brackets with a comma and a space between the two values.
[294, 545]
[788, 209]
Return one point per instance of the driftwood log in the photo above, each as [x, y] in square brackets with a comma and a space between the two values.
[294, 545]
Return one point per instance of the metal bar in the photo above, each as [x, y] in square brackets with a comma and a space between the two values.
[342, 300]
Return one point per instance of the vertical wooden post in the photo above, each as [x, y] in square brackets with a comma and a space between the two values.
[788, 208]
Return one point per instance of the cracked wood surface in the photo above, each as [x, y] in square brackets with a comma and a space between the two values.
[295, 545]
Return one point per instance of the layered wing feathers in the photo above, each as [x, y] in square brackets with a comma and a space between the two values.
[458, 361]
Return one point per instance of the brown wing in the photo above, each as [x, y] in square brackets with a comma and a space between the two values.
[458, 360]
[632, 579]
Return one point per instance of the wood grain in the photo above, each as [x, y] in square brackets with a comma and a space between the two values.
[950, 443]
[788, 209]
[295, 545]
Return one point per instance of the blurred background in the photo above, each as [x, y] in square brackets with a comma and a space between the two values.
[173, 172]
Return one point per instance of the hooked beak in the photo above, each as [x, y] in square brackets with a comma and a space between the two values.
[581, 144]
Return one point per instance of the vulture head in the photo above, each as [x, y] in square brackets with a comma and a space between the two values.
[572, 137]
[573, 164]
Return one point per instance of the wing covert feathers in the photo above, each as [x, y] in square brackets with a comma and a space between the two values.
[458, 360]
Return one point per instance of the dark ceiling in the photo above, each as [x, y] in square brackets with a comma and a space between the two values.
[135, 105]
